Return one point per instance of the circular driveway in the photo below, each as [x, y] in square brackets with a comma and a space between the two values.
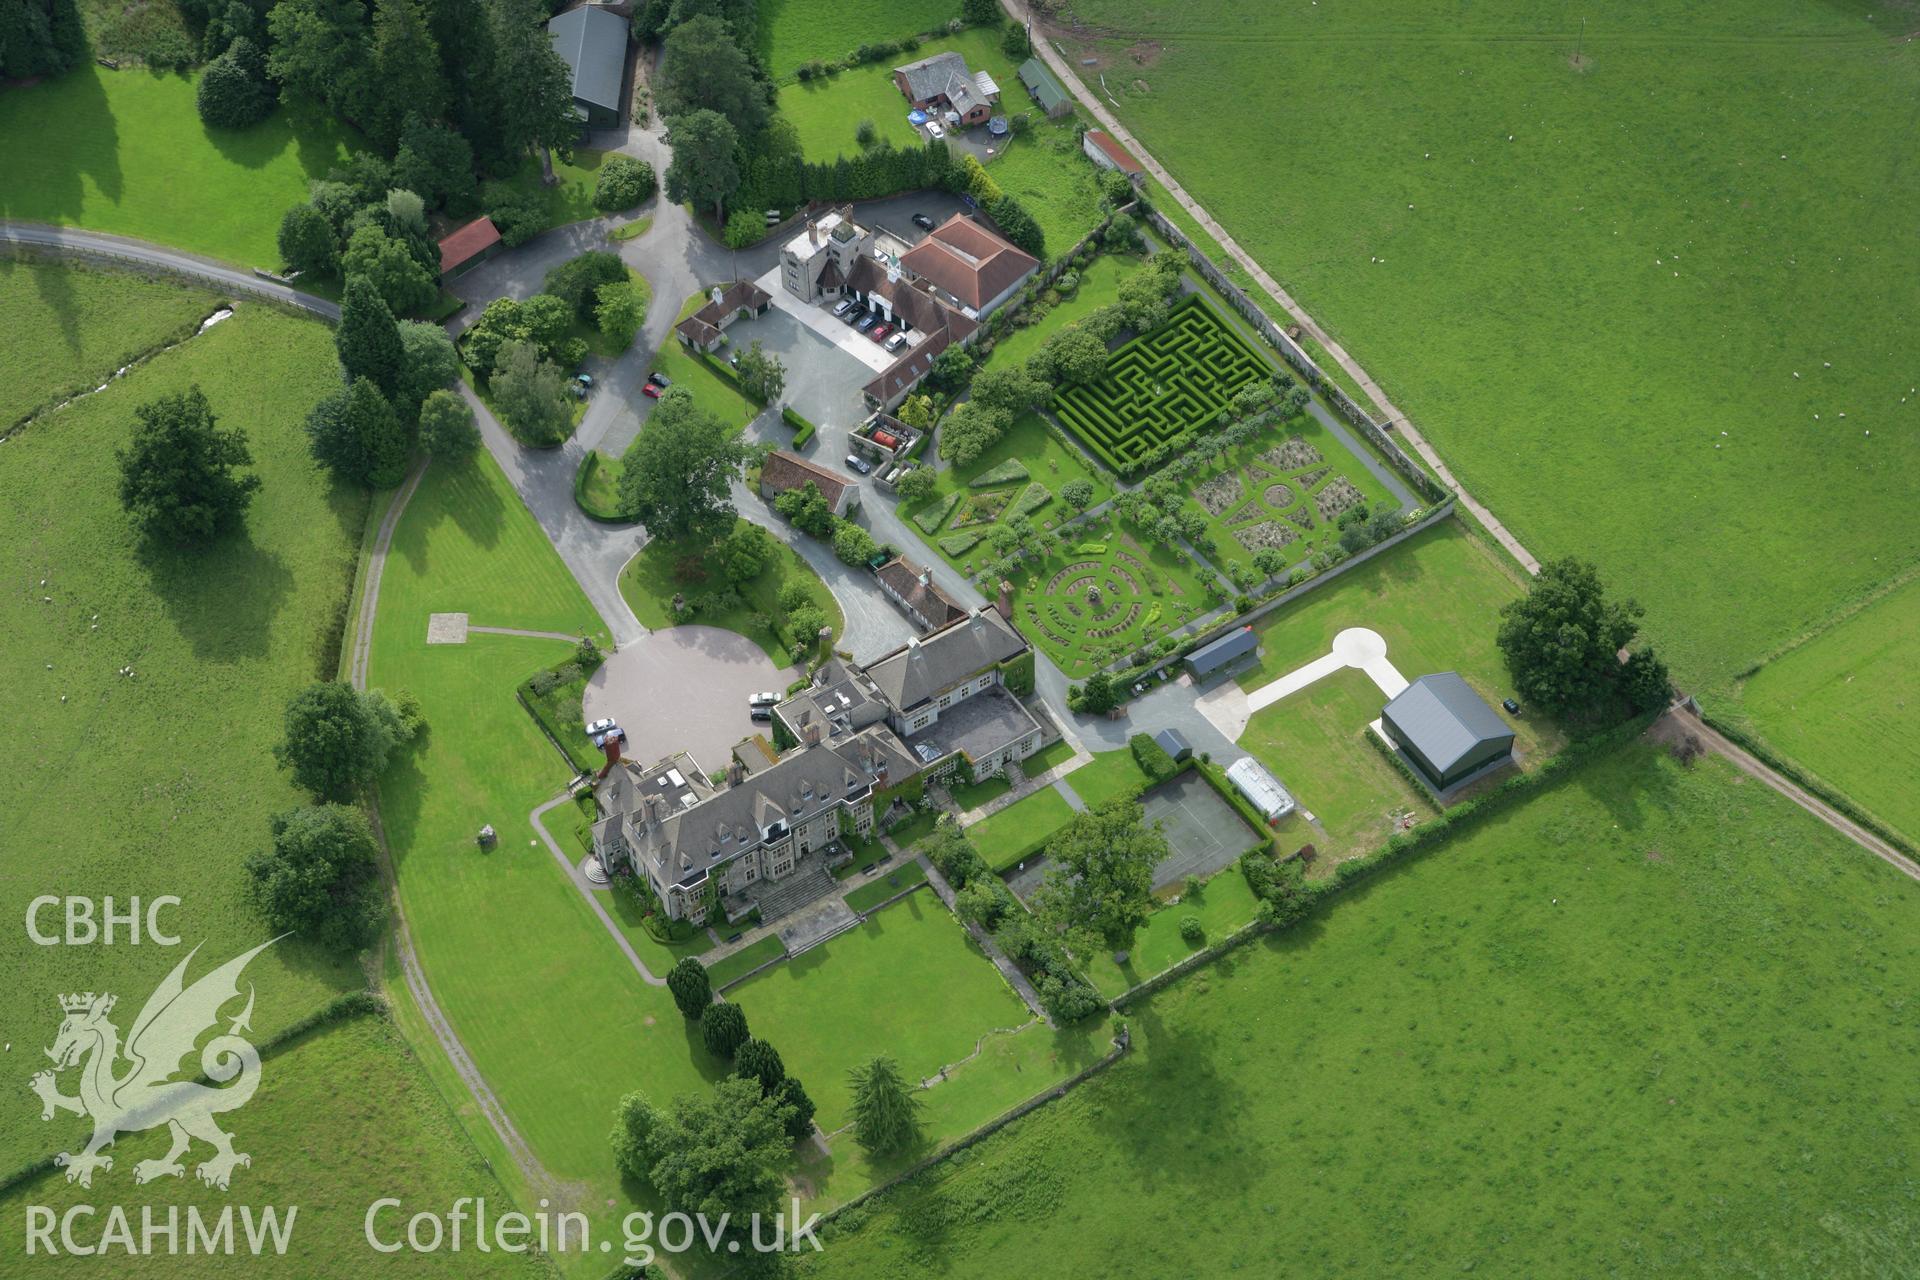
[683, 689]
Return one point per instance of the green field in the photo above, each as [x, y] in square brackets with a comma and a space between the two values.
[1045, 170]
[125, 152]
[912, 956]
[1846, 707]
[65, 329]
[1576, 273]
[793, 32]
[1020, 829]
[343, 1117]
[1455, 1069]
[649, 583]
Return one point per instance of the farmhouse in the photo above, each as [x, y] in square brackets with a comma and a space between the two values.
[818, 262]
[1446, 730]
[702, 330]
[970, 268]
[471, 244]
[1108, 154]
[1046, 91]
[784, 471]
[918, 595]
[592, 41]
[942, 86]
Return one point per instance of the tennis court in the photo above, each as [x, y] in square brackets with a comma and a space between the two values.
[1204, 833]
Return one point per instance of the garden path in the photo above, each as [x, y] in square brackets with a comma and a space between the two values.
[1228, 707]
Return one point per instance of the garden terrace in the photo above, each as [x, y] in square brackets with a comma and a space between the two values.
[1105, 593]
[1161, 386]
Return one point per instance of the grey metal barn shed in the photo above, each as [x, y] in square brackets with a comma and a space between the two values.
[592, 40]
[1446, 729]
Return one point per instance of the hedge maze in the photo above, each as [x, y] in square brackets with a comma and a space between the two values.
[1161, 386]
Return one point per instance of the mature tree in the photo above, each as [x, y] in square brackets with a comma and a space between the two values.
[724, 1153]
[807, 508]
[307, 242]
[338, 738]
[746, 552]
[320, 876]
[1100, 878]
[1012, 389]
[692, 990]
[1145, 297]
[620, 308]
[634, 1124]
[981, 13]
[741, 16]
[704, 171]
[469, 68]
[437, 163]
[575, 280]
[356, 434]
[853, 545]
[950, 369]
[702, 67]
[320, 50]
[971, 430]
[1077, 493]
[917, 485]
[885, 1111]
[980, 903]
[235, 90]
[763, 375]
[406, 70]
[1019, 226]
[535, 86]
[1014, 42]
[759, 1061]
[429, 364]
[1077, 355]
[498, 325]
[1097, 696]
[723, 1026]
[1644, 681]
[1562, 640]
[391, 267]
[547, 319]
[917, 411]
[800, 1122]
[177, 474]
[447, 431]
[406, 214]
[531, 395]
[744, 229]
[623, 183]
[367, 338]
[40, 37]
[678, 477]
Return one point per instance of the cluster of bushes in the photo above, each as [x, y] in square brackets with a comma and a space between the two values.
[865, 55]
[742, 556]
[810, 514]
[360, 221]
[623, 183]
[983, 898]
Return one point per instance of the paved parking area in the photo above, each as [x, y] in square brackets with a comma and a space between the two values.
[821, 321]
[683, 689]
[823, 381]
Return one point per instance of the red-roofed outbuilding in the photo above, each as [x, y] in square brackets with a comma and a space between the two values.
[475, 242]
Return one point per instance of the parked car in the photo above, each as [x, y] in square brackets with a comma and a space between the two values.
[762, 699]
[923, 222]
[935, 129]
[859, 464]
[1513, 708]
[879, 332]
[652, 390]
[843, 306]
[659, 379]
[854, 316]
[761, 713]
[867, 322]
[896, 343]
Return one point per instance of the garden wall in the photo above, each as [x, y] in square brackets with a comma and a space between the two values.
[1290, 351]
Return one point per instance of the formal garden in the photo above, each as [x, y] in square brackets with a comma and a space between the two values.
[1295, 493]
[1161, 387]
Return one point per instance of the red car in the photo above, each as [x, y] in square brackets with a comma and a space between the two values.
[652, 391]
[879, 332]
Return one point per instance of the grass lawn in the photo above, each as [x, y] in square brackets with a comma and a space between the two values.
[710, 391]
[1224, 904]
[911, 830]
[66, 328]
[1047, 757]
[125, 152]
[649, 582]
[885, 884]
[971, 795]
[559, 712]
[218, 639]
[1020, 829]
[792, 32]
[840, 1003]
[515, 955]
[1312, 741]
[1697, 177]
[599, 493]
[333, 1107]
[1099, 287]
[1146, 591]
[1846, 707]
[745, 960]
[1045, 170]
[571, 198]
[1111, 774]
[1765, 1123]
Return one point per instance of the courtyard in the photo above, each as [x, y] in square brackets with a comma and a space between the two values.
[682, 689]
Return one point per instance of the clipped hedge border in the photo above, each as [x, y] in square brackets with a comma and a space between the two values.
[589, 465]
[802, 429]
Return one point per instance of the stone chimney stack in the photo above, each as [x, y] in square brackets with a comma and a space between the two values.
[811, 735]
[1005, 601]
[736, 773]
[653, 806]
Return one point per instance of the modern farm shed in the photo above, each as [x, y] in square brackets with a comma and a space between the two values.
[1446, 729]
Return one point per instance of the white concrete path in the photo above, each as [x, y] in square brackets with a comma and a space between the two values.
[821, 321]
[1229, 707]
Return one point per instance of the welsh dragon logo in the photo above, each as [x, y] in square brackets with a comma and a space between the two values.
[148, 1092]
